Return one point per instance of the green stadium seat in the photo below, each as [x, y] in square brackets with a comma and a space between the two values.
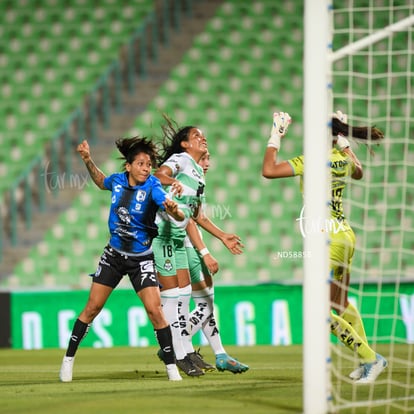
[54, 57]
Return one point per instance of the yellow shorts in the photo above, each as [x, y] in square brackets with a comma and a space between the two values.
[342, 247]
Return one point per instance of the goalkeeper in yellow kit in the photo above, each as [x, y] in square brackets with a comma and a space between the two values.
[346, 322]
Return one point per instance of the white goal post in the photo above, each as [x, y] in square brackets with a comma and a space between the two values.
[371, 95]
[316, 195]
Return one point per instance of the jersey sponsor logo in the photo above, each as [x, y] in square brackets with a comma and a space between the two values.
[124, 215]
[122, 231]
[195, 173]
[137, 207]
[141, 194]
[200, 189]
[339, 164]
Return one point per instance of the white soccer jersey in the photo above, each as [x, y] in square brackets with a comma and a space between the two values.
[190, 174]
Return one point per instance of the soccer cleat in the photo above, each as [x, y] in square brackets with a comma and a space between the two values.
[66, 369]
[187, 366]
[172, 372]
[356, 374]
[225, 362]
[197, 359]
[372, 370]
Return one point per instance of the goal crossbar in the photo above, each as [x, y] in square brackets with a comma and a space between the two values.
[371, 39]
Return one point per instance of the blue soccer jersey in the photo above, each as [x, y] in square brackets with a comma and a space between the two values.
[132, 213]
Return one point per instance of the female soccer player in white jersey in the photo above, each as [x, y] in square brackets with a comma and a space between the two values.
[203, 266]
[181, 174]
[346, 322]
[136, 196]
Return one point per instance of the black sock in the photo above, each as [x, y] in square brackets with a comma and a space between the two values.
[79, 331]
[164, 338]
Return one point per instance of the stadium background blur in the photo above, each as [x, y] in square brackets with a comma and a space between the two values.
[85, 71]
[104, 69]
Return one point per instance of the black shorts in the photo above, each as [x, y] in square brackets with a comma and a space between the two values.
[113, 265]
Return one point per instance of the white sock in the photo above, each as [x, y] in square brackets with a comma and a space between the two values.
[183, 311]
[204, 307]
[169, 302]
[210, 330]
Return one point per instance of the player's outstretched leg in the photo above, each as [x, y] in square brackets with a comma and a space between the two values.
[79, 331]
[164, 338]
[225, 362]
[372, 370]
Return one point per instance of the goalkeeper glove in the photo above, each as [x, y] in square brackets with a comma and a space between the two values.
[281, 121]
[342, 143]
[341, 116]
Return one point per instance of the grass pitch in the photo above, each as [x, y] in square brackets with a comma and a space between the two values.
[132, 380]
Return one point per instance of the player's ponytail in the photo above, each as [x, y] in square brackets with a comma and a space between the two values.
[173, 136]
[361, 132]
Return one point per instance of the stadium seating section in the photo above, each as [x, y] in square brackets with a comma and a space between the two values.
[50, 58]
[245, 65]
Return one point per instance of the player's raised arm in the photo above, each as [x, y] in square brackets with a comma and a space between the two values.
[343, 145]
[164, 174]
[96, 174]
[271, 167]
[231, 241]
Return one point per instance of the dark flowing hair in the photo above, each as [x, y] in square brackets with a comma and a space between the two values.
[361, 132]
[131, 147]
[173, 136]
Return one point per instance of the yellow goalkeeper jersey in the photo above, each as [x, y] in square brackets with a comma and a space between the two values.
[342, 167]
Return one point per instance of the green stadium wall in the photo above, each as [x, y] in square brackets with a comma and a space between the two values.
[268, 314]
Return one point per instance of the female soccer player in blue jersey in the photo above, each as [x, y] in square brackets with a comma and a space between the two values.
[136, 197]
[346, 322]
[181, 174]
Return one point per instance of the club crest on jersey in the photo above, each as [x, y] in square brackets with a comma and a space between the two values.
[141, 194]
[168, 265]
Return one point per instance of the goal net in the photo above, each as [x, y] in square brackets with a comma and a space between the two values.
[372, 69]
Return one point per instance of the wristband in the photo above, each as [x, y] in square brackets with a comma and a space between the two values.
[204, 251]
[274, 141]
